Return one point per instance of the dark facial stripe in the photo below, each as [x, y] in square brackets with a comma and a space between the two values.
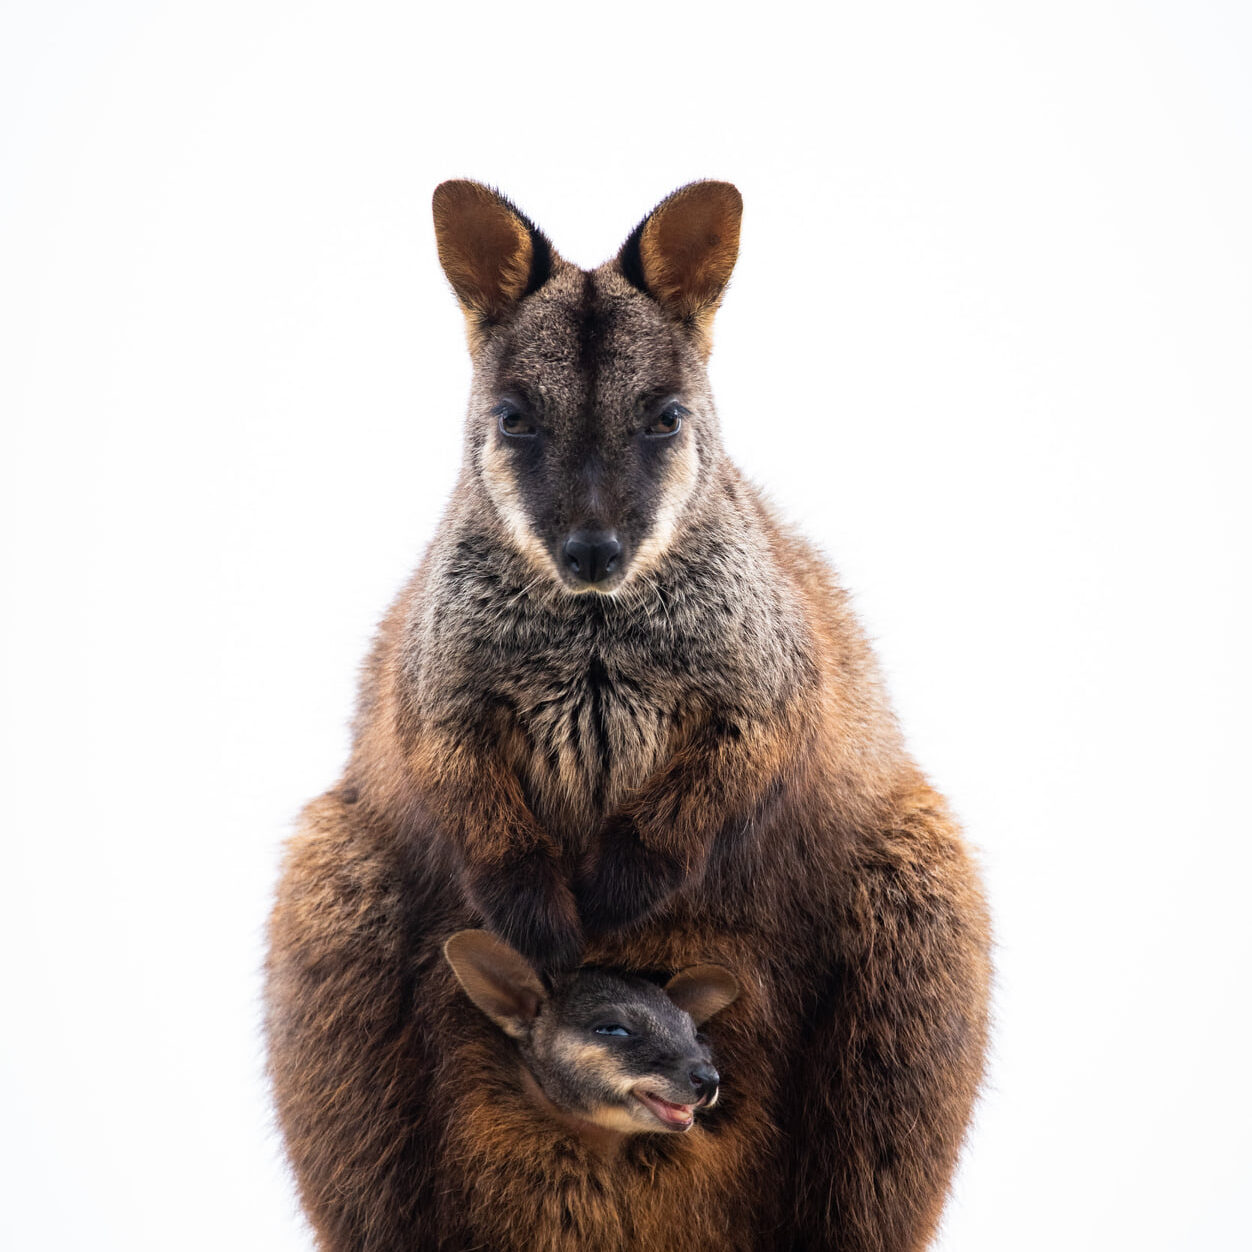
[590, 333]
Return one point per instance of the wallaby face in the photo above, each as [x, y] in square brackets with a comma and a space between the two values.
[617, 1051]
[591, 426]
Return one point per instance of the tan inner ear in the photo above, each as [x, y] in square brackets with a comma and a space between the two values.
[703, 990]
[497, 979]
[687, 251]
[484, 247]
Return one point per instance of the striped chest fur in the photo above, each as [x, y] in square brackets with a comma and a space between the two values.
[592, 733]
[585, 697]
[582, 703]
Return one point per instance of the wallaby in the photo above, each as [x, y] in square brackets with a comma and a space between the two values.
[604, 1050]
[622, 716]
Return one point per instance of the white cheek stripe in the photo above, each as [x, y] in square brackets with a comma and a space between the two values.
[680, 482]
[497, 473]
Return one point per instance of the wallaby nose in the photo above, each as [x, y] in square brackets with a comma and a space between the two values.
[592, 554]
[704, 1078]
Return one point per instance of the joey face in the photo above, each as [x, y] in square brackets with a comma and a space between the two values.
[591, 427]
[620, 1053]
[612, 1050]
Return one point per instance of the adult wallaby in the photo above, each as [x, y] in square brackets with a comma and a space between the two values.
[621, 714]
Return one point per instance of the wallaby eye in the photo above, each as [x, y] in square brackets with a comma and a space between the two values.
[614, 1029]
[667, 422]
[514, 423]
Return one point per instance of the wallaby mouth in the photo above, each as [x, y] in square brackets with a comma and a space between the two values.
[673, 1116]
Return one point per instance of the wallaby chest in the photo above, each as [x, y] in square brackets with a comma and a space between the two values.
[592, 729]
[587, 696]
[584, 702]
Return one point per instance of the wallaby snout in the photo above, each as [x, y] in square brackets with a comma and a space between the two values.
[591, 556]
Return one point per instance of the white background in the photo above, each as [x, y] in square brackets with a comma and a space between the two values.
[988, 342]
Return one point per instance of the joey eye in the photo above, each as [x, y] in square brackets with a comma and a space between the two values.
[514, 423]
[667, 422]
[613, 1028]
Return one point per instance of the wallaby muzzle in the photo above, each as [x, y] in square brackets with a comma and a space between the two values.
[592, 556]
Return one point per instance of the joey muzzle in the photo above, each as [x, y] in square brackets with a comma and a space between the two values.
[705, 1080]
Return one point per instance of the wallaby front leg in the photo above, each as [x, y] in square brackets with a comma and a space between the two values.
[349, 1052]
[894, 1043]
[661, 839]
[511, 869]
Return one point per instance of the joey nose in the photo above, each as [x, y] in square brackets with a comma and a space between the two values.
[704, 1078]
[592, 555]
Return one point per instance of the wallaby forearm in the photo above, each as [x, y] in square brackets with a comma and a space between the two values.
[661, 840]
[511, 868]
[903, 1021]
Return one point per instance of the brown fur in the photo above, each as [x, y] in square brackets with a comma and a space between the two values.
[688, 249]
[485, 249]
[701, 768]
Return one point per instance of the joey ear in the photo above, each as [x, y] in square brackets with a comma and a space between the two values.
[702, 990]
[491, 252]
[682, 253]
[497, 979]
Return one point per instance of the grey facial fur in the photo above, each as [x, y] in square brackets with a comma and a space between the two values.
[602, 1077]
[590, 362]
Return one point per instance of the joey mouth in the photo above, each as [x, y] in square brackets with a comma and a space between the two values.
[675, 1117]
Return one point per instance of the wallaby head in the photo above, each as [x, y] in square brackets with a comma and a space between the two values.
[610, 1049]
[591, 431]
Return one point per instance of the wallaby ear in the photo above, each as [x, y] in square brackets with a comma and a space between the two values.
[682, 253]
[702, 990]
[492, 253]
[497, 979]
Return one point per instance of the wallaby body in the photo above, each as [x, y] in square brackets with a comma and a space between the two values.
[620, 714]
